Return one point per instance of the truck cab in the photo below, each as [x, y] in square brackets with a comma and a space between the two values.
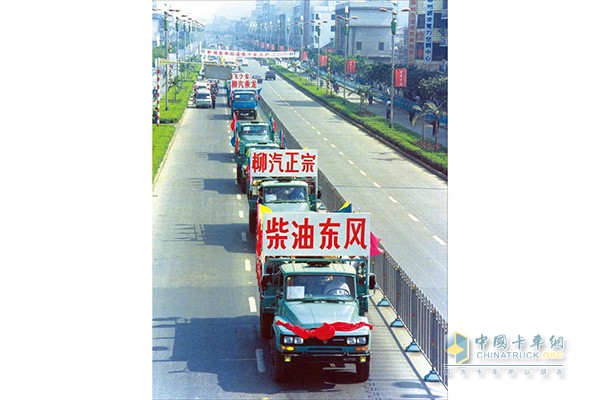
[252, 132]
[243, 161]
[281, 195]
[302, 300]
[244, 103]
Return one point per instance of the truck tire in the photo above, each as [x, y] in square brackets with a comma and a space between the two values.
[238, 175]
[280, 368]
[252, 222]
[243, 185]
[266, 323]
[362, 371]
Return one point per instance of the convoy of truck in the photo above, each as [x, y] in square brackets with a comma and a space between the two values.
[312, 266]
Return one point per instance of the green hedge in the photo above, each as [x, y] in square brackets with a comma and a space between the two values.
[162, 135]
[406, 140]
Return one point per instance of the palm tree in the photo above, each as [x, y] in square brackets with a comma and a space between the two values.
[295, 65]
[430, 111]
[177, 83]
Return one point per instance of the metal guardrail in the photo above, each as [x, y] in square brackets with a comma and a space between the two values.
[414, 311]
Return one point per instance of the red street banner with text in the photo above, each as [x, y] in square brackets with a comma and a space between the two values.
[323, 61]
[351, 66]
[400, 77]
[251, 54]
[316, 234]
[284, 162]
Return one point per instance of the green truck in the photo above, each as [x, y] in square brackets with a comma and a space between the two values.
[245, 132]
[243, 161]
[312, 302]
[284, 180]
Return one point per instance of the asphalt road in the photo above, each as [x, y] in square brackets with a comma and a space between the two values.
[206, 341]
[408, 204]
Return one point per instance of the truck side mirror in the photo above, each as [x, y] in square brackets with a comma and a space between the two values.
[371, 281]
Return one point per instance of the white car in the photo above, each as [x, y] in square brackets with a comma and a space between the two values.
[203, 98]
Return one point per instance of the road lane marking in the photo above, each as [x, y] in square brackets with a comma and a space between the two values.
[350, 161]
[440, 241]
[363, 172]
[260, 361]
[238, 196]
[332, 145]
[241, 214]
[413, 217]
[376, 184]
[247, 265]
[341, 154]
[393, 200]
[252, 303]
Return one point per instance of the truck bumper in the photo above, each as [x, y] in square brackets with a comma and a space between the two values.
[326, 360]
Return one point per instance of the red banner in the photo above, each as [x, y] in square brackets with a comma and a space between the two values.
[400, 77]
[325, 331]
[351, 66]
[304, 56]
[323, 61]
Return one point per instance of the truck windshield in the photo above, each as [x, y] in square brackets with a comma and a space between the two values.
[315, 287]
[285, 193]
[254, 130]
[244, 97]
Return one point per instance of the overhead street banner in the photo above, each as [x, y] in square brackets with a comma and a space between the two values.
[315, 234]
[250, 54]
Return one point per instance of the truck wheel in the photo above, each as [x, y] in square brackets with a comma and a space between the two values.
[279, 366]
[238, 175]
[362, 371]
[243, 185]
[252, 222]
[266, 323]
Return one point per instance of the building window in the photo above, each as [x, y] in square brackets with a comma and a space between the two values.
[380, 46]
[333, 17]
[358, 45]
[332, 29]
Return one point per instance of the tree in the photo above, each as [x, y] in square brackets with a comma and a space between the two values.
[432, 113]
[175, 82]
[435, 88]
[295, 65]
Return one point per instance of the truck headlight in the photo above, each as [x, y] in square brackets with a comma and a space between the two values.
[288, 340]
[361, 340]
[298, 340]
[351, 341]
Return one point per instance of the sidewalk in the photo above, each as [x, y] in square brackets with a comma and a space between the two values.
[400, 117]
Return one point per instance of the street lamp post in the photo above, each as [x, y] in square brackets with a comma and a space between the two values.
[393, 25]
[318, 27]
[346, 35]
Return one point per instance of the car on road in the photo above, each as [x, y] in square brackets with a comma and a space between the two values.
[258, 78]
[203, 98]
[270, 75]
[244, 62]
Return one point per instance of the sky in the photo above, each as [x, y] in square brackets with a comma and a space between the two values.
[206, 10]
